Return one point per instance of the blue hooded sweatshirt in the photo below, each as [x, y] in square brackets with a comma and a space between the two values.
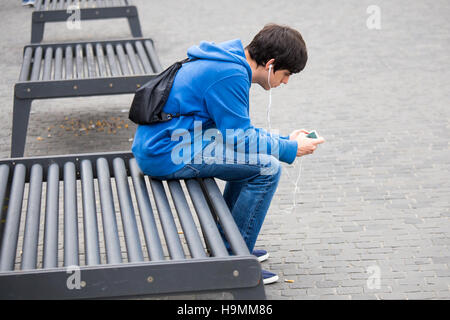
[214, 90]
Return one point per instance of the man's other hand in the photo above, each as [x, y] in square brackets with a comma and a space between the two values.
[294, 134]
[305, 145]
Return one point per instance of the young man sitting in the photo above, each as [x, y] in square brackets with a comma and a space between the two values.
[214, 136]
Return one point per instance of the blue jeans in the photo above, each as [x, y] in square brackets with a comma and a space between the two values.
[248, 192]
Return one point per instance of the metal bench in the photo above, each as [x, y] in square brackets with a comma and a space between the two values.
[78, 69]
[62, 10]
[40, 244]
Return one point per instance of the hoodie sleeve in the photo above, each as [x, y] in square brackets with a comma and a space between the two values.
[227, 102]
[263, 131]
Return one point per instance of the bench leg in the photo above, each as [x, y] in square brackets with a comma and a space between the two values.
[37, 32]
[21, 115]
[255, 293]
[135, 26]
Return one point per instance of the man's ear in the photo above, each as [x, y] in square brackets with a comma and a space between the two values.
[268, 63]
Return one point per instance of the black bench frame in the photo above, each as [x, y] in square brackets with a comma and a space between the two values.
[54, 11]
[239, 274]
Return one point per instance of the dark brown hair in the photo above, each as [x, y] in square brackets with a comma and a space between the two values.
[281, 43]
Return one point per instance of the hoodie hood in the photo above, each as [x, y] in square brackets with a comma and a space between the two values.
[230, 51]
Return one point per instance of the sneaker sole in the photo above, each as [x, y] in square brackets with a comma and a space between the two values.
[271, 280]
[264, 257]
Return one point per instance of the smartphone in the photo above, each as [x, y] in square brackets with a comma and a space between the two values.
[312, 135]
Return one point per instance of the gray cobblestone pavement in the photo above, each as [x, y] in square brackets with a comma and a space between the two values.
[372, 201]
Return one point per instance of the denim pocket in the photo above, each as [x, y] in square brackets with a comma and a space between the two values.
[192, 170]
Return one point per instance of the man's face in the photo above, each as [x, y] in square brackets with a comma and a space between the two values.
[278, 77]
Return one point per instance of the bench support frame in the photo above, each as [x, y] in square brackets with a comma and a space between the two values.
[39, 18]
[239, 275]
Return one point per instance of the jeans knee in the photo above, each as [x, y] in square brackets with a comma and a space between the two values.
[271, 168]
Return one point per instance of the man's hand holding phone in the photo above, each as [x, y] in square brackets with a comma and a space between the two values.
[306, 145]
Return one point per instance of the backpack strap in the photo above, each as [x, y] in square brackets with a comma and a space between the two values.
[169, 116]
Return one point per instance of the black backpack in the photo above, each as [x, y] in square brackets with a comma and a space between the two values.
[149, 100]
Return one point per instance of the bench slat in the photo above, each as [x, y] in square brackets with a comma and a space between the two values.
[101, 60]
[132, 240]
[79, 61]
[133, 60]
[153, 57]
[61, 4]
[152, 240]
[37, 60]
[4, 179]
[144, 59]
[46, 5]
[69, 63]
[168, 224]
[112, 61]
[92, 70]
[38, 5]
[11, 231]
[91, 243]
[110, 230]
[53, 5]
[122, 60]
[58, 63]
[229, 227]
[48, 64]
[25, 70]
[31, 233]
[50, 254]
[70, 216]
[209, 226]
[187, 222]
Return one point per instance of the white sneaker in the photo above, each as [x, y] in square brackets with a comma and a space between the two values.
[269, 277]
[29, 3]
[262, 255]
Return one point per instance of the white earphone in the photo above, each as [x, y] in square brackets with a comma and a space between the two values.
[270, 100]
[296, 186]
[268, 77]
